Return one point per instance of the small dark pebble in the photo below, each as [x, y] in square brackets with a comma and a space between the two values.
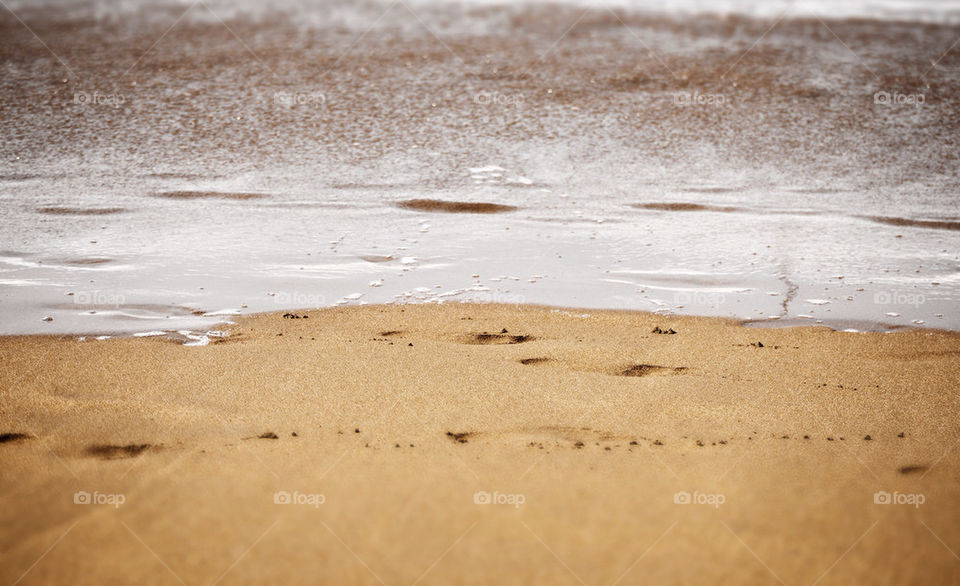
[268, 435]
[634, 443]
[867, 437]
[901, 434]
[357, 430]
[657, 443]
[294, 434]
[503, 331]
[657, 330]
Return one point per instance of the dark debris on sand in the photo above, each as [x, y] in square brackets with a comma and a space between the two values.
[488, 338]
[646, 369]
[14, 437]
[460, 438]
[114, 452]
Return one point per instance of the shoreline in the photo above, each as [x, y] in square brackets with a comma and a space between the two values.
[222, 329]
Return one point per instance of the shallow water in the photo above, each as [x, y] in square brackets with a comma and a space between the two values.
[660, 164]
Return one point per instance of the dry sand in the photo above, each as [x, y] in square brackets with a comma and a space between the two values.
[399, 415]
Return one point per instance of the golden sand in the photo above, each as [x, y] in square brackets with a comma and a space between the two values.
[388, 428]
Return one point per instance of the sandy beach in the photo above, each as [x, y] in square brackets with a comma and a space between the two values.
[482, 444]
[427, 292]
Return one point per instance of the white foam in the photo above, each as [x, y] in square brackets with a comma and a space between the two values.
[194, 339]
[485, 170]
[926, 10]
[224, 312]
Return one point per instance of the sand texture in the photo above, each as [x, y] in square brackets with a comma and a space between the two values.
[385, 425]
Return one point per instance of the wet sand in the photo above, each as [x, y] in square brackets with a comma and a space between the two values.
[233, 157]
[455, 207]
[388, 428]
